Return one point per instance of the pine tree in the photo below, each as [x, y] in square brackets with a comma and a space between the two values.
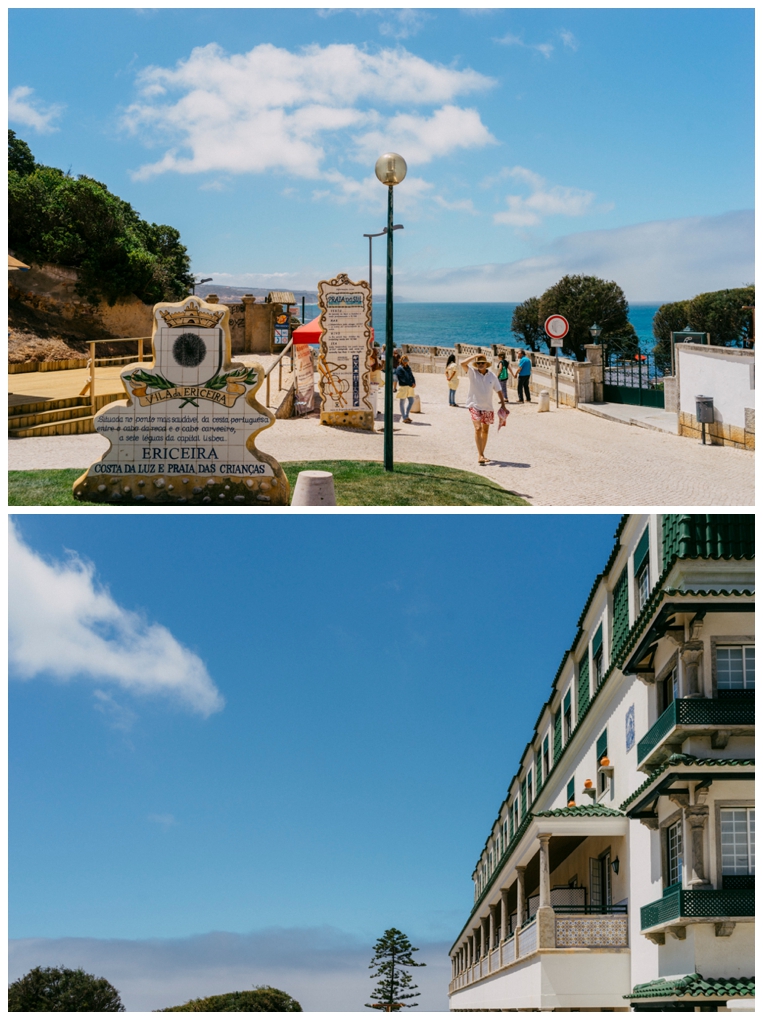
[392, 953]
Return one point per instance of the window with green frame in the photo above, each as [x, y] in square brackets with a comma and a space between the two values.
[571, 790]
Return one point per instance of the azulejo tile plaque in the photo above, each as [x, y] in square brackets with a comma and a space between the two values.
[186, 433]
[343, 361]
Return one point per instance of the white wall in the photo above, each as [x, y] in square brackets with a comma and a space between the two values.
[726, 374]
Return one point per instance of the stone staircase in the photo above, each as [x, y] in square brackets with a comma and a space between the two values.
[64, 417]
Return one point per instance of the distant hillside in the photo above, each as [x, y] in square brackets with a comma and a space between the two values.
[236, 293]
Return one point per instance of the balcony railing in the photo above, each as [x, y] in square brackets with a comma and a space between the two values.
[698, 903]
[736, 711]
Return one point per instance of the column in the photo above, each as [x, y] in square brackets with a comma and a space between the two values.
[545, 916]
[594, 356]
[545, 877]
[483, 938]
[520, 896]
[696, 816]
[491, 929]
[504, 914]
[691, 655]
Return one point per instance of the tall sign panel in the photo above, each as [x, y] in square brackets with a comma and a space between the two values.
[186, 432]
[343, 362]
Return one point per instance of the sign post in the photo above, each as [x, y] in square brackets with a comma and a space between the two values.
[557, 328]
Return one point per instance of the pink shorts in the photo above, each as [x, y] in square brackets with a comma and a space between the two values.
[485, 417]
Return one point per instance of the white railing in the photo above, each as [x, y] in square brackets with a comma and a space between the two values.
[528, 939]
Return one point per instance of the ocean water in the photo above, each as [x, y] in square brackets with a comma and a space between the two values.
[445, 324]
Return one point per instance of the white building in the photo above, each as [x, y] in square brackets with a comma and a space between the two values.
[619, 872]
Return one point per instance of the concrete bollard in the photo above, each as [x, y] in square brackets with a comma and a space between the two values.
[543, 401]
[416, 405]
[314, 488]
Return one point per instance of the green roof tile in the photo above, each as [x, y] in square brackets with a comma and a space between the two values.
[581, 811]
[683, 759]
[694, 985]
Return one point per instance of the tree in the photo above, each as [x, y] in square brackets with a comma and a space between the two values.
[20, 158]
[669, 318]
[60, 990]
[724, 314]
[392, 953]
[526, 324]
[78, 222]
[262, 999]
[583, 301]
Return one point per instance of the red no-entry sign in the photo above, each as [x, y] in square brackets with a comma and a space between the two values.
[556, 327]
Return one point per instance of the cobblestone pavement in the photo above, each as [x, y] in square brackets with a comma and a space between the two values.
[562, 458]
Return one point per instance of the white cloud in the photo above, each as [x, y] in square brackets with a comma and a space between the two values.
[542, 200]
[460, 205]
[665, 260]
[546, 49]
[324, 969]
[271, 109]
[63, 624]
[121, 717]
[420, 139]
[568, 39]
[164, 822]
[24, 108]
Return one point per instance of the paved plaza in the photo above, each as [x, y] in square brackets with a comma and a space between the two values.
[563, 458]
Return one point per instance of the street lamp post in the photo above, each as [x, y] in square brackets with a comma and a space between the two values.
[198, 283]
[390, 170]
[397, 226]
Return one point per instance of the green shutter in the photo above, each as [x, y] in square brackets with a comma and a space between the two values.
[538, 773]
[557, 735]
[571, 790]
[597, 640]
[620, 612]
[601, 746]
[584, 686]
[524, 800]
[642, 551]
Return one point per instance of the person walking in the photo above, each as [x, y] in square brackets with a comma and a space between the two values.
[451, 374]
[524, 368]
[503, 375]
[406, 383]
[482, 384]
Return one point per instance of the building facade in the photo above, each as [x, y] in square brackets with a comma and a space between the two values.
[619, 872]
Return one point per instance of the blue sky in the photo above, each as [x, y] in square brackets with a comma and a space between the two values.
[539, 141]
[292, 732]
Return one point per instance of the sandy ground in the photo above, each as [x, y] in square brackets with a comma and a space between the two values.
[563, 458]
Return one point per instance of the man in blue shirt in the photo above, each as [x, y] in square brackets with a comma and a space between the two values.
[524, 368]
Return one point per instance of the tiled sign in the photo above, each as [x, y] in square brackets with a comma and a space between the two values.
[186, 433]
[343, 362]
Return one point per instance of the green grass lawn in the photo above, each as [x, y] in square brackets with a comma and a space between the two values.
[357, 483]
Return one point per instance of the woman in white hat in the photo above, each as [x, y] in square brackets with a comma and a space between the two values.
[482, 384]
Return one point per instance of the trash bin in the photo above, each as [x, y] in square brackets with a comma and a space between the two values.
[705, 411]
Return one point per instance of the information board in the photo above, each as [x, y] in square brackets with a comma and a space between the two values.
[185, 434]
[345, 349]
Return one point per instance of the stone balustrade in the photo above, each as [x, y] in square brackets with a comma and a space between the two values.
[579, 381]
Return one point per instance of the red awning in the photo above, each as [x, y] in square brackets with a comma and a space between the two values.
[310, 333]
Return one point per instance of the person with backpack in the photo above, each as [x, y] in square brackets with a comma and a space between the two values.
[406, 384]
[503, 374]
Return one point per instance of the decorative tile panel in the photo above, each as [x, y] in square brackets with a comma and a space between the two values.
[591, 931]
